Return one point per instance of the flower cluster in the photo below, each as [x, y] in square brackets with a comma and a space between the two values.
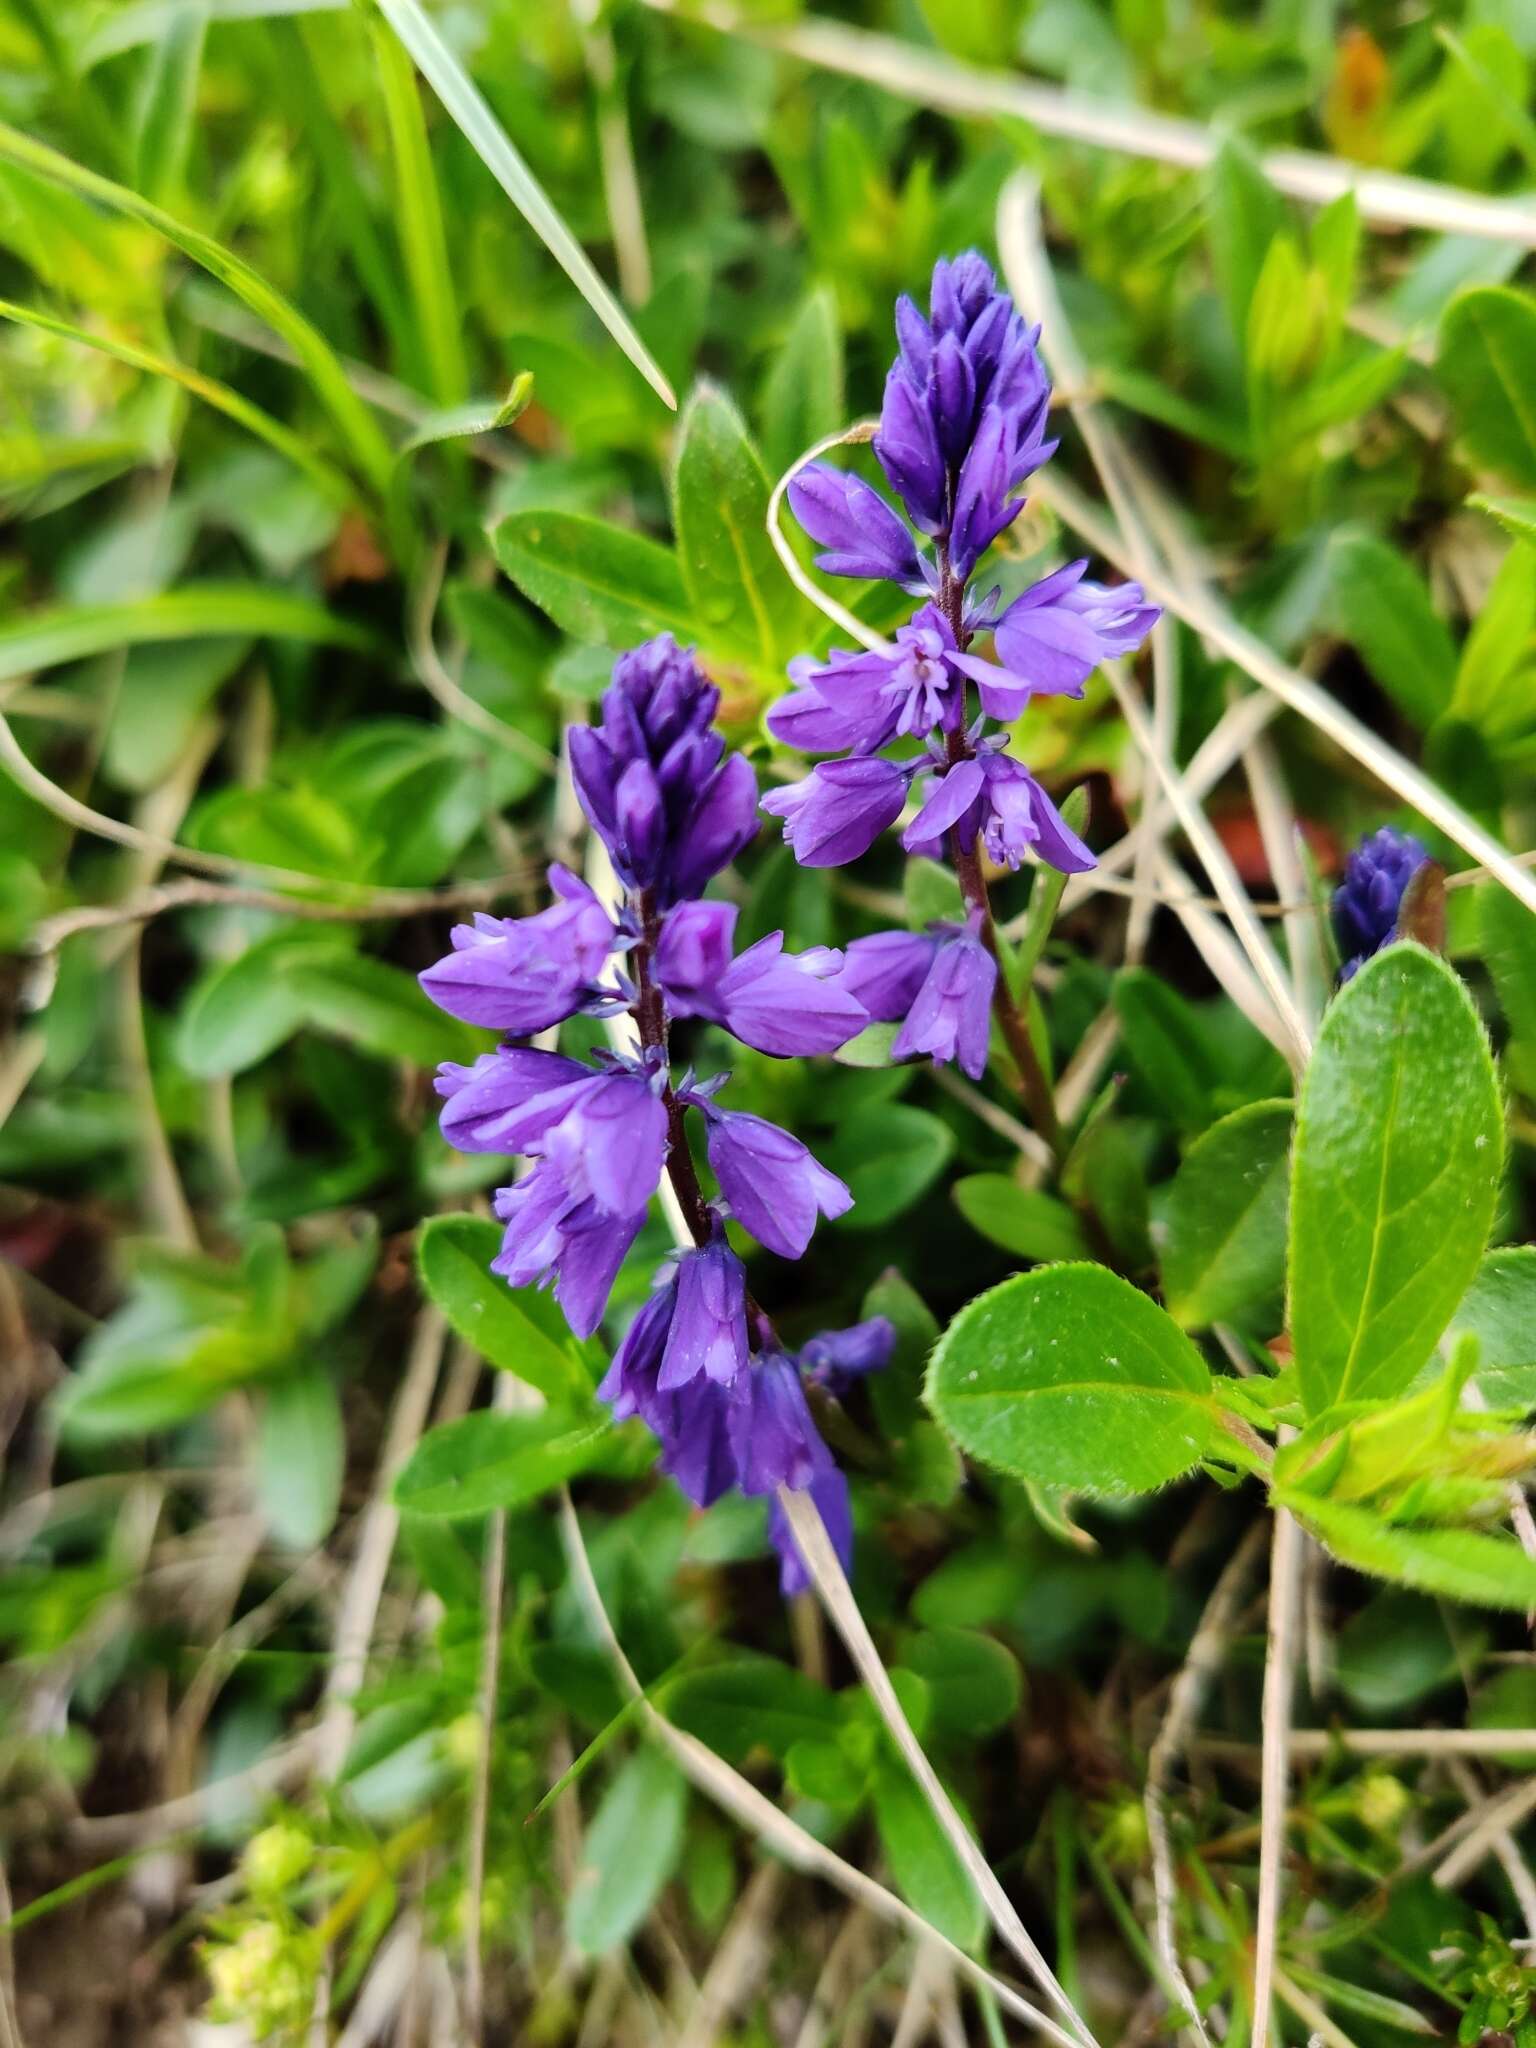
[961, 429]
[1367, 903]
[700, 1364]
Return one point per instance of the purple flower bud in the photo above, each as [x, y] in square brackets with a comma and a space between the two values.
[1052, 638]
[829, 1492]
[1367, 902]
[651, 777]
[482, 1100]
[862, 535]
[983, 505]
[774, 1440]
[693, 953]
[834, 1359]
[522, 974]
[908, 450]
[708, 1333]
[774, 1186]
[951, 1017]
[839, 810]
[790, 1005]
[692, 1424]
[885, 971]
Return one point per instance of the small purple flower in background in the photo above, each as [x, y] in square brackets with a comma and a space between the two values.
[829, 1492]
[836, 1359]
[1367, 902]
[708, 1329]
[885, 971]
[522, 974]
[859, 532]
[951, 1015]
[775, 1188]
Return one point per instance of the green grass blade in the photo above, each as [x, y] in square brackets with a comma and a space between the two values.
[421, 224]
[467, 106]
[366, 443]
[167, 104]
[75, 632]
[209, 389]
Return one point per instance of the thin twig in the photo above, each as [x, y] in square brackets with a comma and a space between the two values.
[933, 79]
[1279, 1683]
[738, 1962]
[1511, 1861]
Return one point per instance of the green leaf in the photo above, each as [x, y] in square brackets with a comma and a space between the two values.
[378, 1006]
[750, 1703]
[1223, 1229]
[166, 102]
[362, 434]
[213, 610]
[1487, 366]
[518, 1330]
[931, 893]
[247, 1006]
[629, 1852]
[1399, 1139]
[974, 1683]
[1499, 1310]
[1070, 1376]
[737, 590]
[1026, 1221]
[467, 105]
[928, 1873]
[896, 1393]
[599, 583]
[1245, 215]
[300, 1455]
[1165, 1039]
[420, 218]
[1517, 516]
[803, 391]
[1384, 610]
[1489, 690]
[491, 1460]
[1507, 932]
[1461, 1564]
[890, 1156]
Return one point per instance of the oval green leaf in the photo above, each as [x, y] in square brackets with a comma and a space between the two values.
[518, 1330]
[1399, 1139]
[491, 1460]
[1071, 1377]
[1223, 1230]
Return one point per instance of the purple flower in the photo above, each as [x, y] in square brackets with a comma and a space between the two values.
[1052, 638]
[692, 1424]
[834, 1359]
[773, 1438]
[966, 382]
[840, 809]
[788, 1004]
[862, 535]
[885, 971]
[864, 700]
[522, 974]
[654, 779]
[829, 1492]
[1367, 902]
[483, 1102]
[951, 1016]
[774, 1186]
[995, 797]
[707, 1336]
[598, 1146]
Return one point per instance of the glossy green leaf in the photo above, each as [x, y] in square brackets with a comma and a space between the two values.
[737, 591]
[300, 1455]
[1384, 610]
[1399, 1141]
[1026, 1221]
[1072, 1377]
[889, 1156]
[598, 582]
[1499, 1310]
[493, 1460]
[519, 1330]
[1487, 367]
[751, 1703]
[378, 1006]
[1222, 1235]
[928, 1873]
[628, 1853]
[1460, 1564]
